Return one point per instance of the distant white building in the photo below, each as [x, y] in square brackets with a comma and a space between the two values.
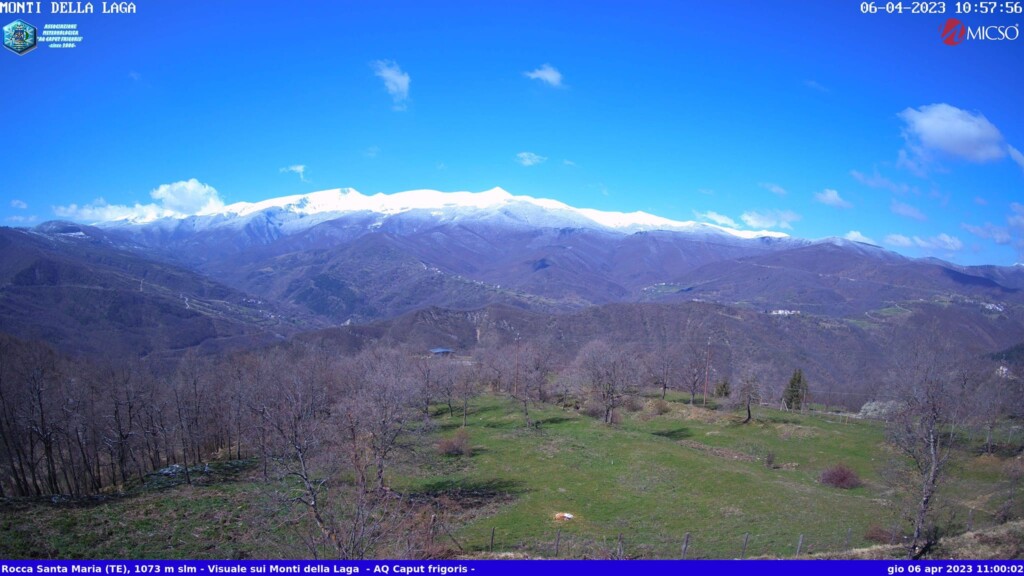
[784, 312]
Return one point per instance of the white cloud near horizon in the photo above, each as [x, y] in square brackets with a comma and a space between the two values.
[770, 219]
[906, 210]
[174, 200]
[19, 204]
[396, 82]
[299, 169]
[1016, 227]
[997, 234]
[716, 218]
[942, 242]
[856, 236]
[830, 197]
[529, 158]
[547, 74]
[940, 130]
[898, 240]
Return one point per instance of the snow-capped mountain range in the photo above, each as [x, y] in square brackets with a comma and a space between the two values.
[292, 214]
[341, 257]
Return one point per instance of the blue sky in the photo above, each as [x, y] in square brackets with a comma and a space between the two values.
[806, 117]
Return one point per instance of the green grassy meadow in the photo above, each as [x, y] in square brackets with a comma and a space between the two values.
[652, 479]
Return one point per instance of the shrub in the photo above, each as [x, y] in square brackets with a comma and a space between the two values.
[593, 410]
[660, 407]
[722, 389]
[840, 476]
[633, 404]
[457, 445]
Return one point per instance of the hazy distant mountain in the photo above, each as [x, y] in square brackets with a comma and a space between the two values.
[66, 284]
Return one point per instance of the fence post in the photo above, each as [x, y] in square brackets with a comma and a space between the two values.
[492, 539]
[799, 544]
[746, 538]
[686, 545]
[620, 553]
[849, 535]
[558, 540]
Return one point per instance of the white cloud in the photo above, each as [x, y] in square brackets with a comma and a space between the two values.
[22, 219]
[299, 169]
[916, 164]
[770, 219]
[997, 234]
[980, 201]
[1017, 156]
[941, 130]
[135, 75]
[372, 151]
[773, 188]
[395, 81]
[529, 158]
[899, 240]
[1016, 223]
[1016, 218]
[547, 74]
[942, 242]
[175, 200]
[717, 218]
[856, 236]
[876, 180]
[188, 197]
[830, 197]
[906, 210]
[19, 204]
[814, 85]
[1010, 235]
[569, 163]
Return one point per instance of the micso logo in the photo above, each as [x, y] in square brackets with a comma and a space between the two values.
[955, 32]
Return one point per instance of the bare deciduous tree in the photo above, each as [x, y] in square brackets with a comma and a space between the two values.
[609, 375]
[665, 367]
[933, 398]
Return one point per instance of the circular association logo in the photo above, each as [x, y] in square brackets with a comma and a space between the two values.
[20, 37]
[953, 32]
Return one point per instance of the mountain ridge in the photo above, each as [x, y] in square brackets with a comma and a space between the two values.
[302, 211]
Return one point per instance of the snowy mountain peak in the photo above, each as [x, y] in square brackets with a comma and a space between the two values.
[298, 212]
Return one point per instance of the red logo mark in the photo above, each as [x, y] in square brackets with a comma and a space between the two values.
[953, 32]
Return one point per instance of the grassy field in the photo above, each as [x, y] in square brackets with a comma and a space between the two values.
[656, 477]
[652, 479]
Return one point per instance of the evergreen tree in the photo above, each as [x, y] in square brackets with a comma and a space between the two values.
[722, 389]
[796, 391]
